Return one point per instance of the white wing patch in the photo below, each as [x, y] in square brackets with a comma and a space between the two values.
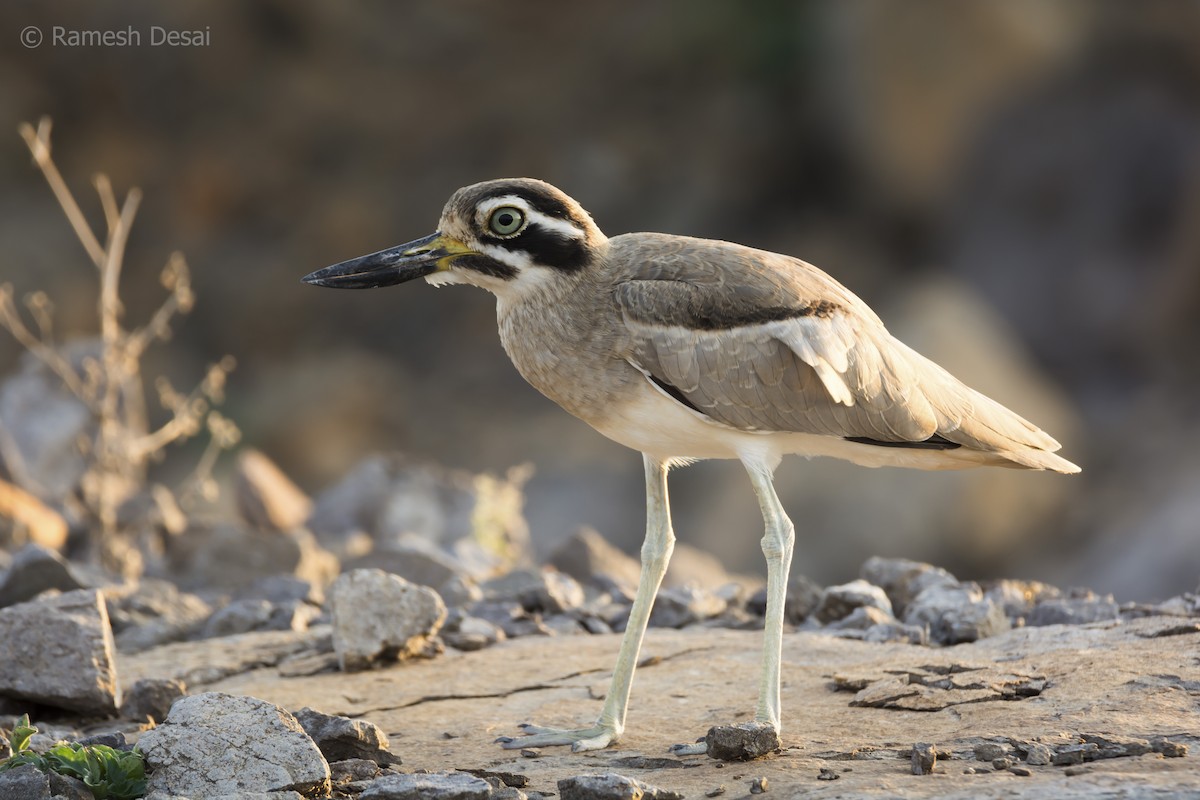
[824, 343]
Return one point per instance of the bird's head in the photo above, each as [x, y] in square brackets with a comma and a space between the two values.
[506, 236]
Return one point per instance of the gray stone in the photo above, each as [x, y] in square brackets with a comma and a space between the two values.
[342, 738]
[990, 751]
[66, 787]
[803, 597]
[231, 557]
[267, 498]
[416, 562]
[924, 758]
[1074, 754]
[353, 769]
[281, 588]
[59, 651]
[956, 613]
[154, 612]
[431, 786]
[903, 579]
[24, 783]
[839, 601]
[1073, 610]
[460, 590]
[545, 591]
[861, 618]
[473, 633]
[742, 742]
[36, 569]
[379, 617]
[240, 616]
[45, 422]
[1018, 598]
[152, 698]
[611, 786]
[896, 632]
[213, 744]
[678, 606]
[586, 556]
[1038, 754]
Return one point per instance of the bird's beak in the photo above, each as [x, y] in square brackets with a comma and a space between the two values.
[398, 264]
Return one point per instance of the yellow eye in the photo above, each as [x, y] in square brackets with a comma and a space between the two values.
[506, 221]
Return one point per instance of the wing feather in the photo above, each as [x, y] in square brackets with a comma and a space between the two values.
[763, 342]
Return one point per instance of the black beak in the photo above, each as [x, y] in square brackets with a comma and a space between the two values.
[398, 264]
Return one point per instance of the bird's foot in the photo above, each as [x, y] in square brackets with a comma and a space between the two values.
[596, 737]
[742, 742]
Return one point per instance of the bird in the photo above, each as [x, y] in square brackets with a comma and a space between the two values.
[686, 349]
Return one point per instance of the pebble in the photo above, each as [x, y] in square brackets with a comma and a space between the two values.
[956, 613]
[827, 774]
[381, 617]
[758, 786]
[924, 758]
[1024, 772]
[742, 742]
[840, 601]
[1038, 754]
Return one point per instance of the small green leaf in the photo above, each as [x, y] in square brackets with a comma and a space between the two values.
[22, 733]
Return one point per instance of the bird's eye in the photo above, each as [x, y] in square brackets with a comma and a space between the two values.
[506, 221]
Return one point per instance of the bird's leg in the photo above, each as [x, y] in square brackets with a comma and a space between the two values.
[656, 552]
[777, 545]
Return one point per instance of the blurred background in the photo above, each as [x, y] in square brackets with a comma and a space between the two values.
[1014, 187]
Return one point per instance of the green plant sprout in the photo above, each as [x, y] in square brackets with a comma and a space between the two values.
[109, 773]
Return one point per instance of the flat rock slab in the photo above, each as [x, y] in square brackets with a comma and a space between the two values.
[1107, 682]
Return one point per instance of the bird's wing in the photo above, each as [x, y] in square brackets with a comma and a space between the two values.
[763, 342]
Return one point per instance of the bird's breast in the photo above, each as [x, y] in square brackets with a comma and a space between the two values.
[567, 352]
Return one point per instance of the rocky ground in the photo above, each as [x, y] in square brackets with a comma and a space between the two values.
[376, 641]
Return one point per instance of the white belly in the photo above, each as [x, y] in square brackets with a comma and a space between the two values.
[654, 423]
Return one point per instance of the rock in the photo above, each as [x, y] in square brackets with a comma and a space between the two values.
[803, 597]
[153, 613]
[240, 616]
[266, 497]
[1017, 598]
[742, 742]
[213, 743]
[473, 633]
[39, 523]
[840, 601]
[379, 617]
[394, 499]
[691, 566]
[353, 769]
[24, 783]
[1078, 610]
[460, 590]
[884, 632]
[418, 563]
[151, 698]
[924, 758]
[678, 606]
[611, 786]
[342, 738]
[1117, 746]
[67, 787]
[956, 613]
[862, 618]
[586, 556]
[36, 569]
[1038, 754]
[231, 557]
[1074, 754]
[59, 651]
[902, 580]
[431, 786]
[545, 591]
[45, 422]
[990, 751]
[282, 588]
[759, 785]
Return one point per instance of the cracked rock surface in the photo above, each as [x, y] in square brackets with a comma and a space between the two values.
[1086, 710]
